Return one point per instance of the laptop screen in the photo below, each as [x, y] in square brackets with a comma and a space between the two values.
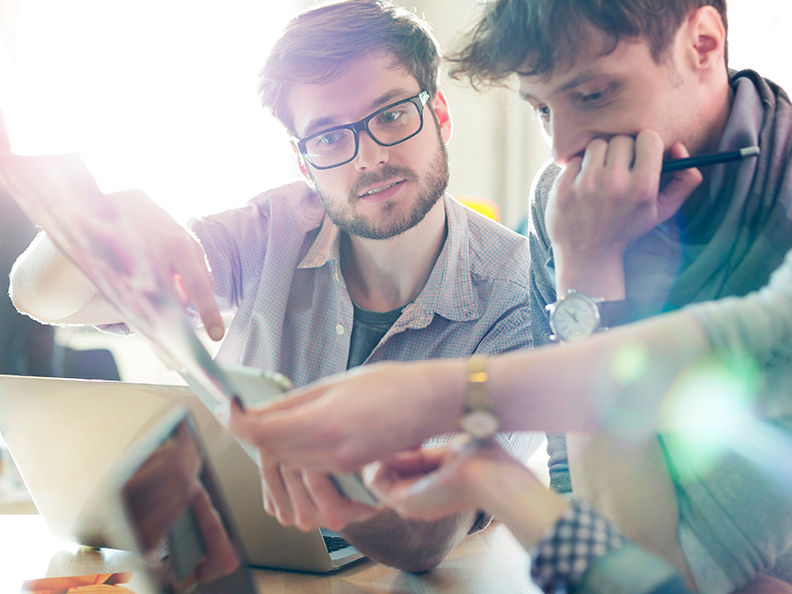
[179, 519]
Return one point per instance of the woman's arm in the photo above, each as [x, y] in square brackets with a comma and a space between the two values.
[570, 387]
[570, 544]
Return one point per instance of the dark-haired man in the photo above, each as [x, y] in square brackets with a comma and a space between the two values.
[366, 260]
[619, 87]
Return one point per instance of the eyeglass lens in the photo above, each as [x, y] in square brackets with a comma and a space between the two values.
[388, 127]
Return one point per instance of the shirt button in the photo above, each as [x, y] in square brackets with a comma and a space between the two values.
[340, 329]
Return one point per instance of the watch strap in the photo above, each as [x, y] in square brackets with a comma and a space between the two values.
[478, 399]
[613, 313]
[479, 420]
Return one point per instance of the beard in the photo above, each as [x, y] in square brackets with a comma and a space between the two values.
[393, 220]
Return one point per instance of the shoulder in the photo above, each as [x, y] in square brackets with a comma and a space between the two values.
[293, 205]
[495, 251]
[295, 201]
[542, 183]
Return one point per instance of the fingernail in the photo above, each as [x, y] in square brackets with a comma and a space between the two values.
[216, 333]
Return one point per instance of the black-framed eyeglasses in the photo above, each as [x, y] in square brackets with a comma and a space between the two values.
[387, 126]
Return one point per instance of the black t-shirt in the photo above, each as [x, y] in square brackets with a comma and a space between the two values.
[367, 330]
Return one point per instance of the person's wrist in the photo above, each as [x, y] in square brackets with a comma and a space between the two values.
[447, 385]
[478, 420]
[595, 275]
[515, 497]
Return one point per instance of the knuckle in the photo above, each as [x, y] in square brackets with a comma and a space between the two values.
[347, 458]
[598, 144]
[284, 519]
[644, 192]
[333, 522]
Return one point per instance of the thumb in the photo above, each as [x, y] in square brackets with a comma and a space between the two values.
[679, 187]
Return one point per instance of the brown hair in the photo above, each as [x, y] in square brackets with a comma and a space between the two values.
[550, 32]
[320, 44]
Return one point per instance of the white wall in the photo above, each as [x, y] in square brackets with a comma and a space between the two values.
[760, 38]
[497, 146]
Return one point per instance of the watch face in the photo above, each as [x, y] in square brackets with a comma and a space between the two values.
[480, 424]
[574, 318]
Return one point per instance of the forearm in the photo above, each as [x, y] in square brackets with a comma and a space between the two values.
[409, 545]
[602, 278]
[759, 325]
[574, 387]
[602, 463]
[524, 505]
[49, 288]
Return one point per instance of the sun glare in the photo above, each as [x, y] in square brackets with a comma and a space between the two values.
[157, 95]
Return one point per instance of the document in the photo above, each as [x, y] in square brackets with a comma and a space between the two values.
[58, 194]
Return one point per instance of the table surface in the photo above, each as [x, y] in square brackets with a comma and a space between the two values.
[490, 561]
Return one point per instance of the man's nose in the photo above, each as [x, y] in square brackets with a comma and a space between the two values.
[568, 139]
[370, 154]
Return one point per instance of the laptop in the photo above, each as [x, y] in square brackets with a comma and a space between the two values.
[66, 435]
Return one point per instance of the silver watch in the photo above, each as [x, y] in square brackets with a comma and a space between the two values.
[576, 316]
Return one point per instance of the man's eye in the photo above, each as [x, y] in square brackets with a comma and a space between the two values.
[392, 116]
[596, 97]
[328, 139]
[542, 111]
[593, 97]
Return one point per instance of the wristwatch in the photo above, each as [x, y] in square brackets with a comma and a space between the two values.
[479, 420]
[576, 316]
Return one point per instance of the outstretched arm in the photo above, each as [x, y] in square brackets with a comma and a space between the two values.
[568, 388]
[426, 484]
[48, 287]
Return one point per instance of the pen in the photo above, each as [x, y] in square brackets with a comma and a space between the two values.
[743, 153]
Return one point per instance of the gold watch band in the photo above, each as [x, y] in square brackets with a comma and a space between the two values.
[479, 421]
[478, 399]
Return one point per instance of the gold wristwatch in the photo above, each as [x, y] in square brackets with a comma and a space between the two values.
[479, 420]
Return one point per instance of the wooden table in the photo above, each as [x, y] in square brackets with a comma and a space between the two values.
[491, 561]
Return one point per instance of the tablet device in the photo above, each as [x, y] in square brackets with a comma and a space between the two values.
[172, 513]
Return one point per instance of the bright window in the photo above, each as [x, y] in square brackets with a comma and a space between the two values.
[759, 38]
[153, 94]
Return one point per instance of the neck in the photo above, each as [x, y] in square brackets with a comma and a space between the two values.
[715, 114]
[388, 274]
[719, 108]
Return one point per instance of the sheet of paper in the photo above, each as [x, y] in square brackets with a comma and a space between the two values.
[59, 194]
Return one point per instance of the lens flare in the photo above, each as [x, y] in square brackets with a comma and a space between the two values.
[708, 406]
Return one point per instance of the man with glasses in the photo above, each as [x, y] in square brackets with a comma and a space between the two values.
[366, 260]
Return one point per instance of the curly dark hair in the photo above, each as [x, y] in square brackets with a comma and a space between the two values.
[549, 32]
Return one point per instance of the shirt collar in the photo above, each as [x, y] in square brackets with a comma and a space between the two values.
[326, 246]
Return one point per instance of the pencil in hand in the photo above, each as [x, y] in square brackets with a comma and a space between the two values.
[705, 160]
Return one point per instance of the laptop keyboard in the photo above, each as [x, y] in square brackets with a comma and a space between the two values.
[335, 543]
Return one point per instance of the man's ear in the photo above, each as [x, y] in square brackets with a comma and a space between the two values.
[440, 107]
[706, 38]
[301, 164]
